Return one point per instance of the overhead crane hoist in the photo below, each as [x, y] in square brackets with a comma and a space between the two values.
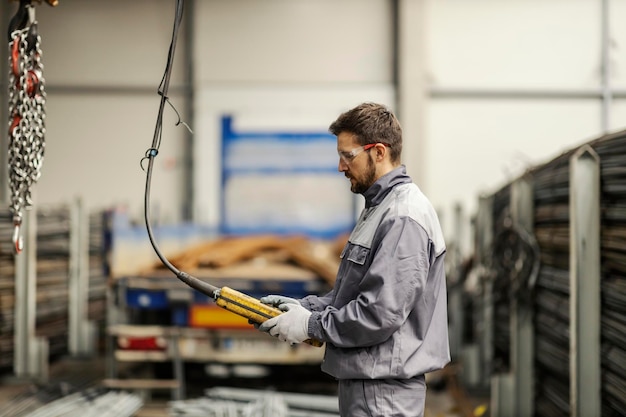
[225, 297]
[27, 100]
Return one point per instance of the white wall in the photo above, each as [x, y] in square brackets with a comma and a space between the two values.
[525, 44]
[103, 62]
[293, 41]
[470, 85]
[618, 44]
[512, 85]
[281, 65]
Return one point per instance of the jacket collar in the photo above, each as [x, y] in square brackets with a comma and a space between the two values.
[379, 190]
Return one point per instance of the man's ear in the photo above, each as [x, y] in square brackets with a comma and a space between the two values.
[381, 150]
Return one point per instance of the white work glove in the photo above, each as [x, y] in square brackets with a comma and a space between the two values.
[278, 300]
[274, 301]
[291, 326]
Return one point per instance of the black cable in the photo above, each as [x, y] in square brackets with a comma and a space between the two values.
[153, 151]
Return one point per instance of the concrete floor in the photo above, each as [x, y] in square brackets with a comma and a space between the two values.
[440, 401]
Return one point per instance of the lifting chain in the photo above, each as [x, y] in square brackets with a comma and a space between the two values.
[27, 99]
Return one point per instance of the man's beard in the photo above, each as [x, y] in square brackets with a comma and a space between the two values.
[359, 187]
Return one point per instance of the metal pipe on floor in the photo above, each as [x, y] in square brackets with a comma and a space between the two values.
[91, 404]
[327, 403]
[230, 401]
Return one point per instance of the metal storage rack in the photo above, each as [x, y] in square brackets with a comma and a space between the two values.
[577, 299]
[193, 329]
[52, 295]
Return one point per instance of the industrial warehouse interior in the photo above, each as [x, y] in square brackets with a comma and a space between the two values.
[169, 164]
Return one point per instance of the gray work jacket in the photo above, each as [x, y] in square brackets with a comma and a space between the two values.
[386, 316]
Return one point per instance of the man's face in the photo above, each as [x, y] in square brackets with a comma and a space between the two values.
[356, 163]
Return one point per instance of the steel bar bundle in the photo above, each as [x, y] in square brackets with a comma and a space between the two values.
[52, 271]
[6, 289]
[501, 285]
[53, 234]
[551, 292]
[98, 247]
[612, 153]
[53, 264]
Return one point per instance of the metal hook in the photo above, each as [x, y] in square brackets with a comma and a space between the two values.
[31, 14]
[18, 242]
[25, 15]
[20, 18]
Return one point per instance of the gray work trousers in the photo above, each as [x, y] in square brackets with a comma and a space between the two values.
[382, 397]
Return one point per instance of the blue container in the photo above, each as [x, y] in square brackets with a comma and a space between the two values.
[200, 298]
[147, 299]
[180, 316]
[294, 289]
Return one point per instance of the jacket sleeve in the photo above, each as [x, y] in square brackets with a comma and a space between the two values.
[317, 303]
[388, 292]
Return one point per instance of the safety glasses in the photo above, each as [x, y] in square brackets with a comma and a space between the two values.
[348, 156]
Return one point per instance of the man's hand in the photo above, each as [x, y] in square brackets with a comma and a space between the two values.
[274, 301]
[291, 326]
[278, 300]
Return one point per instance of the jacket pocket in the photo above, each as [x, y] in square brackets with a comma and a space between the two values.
[357, 254]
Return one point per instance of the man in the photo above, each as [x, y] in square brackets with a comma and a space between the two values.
[385, 320]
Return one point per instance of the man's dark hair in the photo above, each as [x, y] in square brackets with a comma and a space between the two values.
[371, 123]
